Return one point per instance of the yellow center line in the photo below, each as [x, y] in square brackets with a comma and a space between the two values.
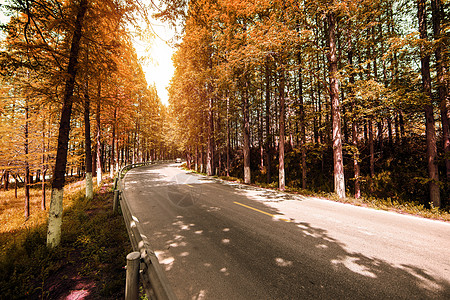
[189, 185]
[260, 211]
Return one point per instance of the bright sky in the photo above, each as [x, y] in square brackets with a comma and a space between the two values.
[3, 18]
[159, 68]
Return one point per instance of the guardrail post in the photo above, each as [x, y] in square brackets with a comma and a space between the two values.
[132, 280]
[116, 201]
[116, 180]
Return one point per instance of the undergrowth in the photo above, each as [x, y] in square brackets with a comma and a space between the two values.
[90, 258]
[389, 204]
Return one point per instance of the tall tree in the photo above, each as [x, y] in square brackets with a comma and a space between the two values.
[246, 133]
[442, 81]
[98, 135]
[430, 130]
[338, 160]
[27, 164]
[56, 204]
[87, 143]
[281, 170]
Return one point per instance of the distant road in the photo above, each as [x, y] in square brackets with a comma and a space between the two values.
[229, 241]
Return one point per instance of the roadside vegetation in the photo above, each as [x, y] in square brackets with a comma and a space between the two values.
[387, 204]
[88, 263]
[349, 97]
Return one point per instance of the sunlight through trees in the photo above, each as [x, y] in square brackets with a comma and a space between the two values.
[348, 97]
[317, 90]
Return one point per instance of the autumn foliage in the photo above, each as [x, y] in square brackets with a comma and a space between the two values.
[37, 62]
[296, 91]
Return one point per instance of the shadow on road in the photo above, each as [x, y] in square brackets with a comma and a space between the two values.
[288, 260]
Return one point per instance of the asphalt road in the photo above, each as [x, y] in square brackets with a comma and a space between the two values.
[219, 240]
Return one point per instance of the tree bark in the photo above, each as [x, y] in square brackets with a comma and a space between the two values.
[56, 204]
[260, 138]
[443, 92]
[44, 168]
[98, 137]
[281, 171]
[302, 123]
[246, 121]
[87, 144]
[196, 158]
[210, 150]
[113, 145]
[339, 183]
[429, 111]
[402, 127]
[6, 180]
[228, 136]
[371, 148]
[356, 167]
[267, 116]
[15, 186]
[27, 165]
[389, 124]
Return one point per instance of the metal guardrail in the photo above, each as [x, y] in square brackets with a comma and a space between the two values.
[153, 276]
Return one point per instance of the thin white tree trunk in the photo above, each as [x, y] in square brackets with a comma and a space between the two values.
[55, 218]
[89, 186]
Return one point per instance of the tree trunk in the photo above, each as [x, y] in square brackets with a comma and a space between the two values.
[87, 145]
[443, 92]
[27, 165]
[397, 128]
[15, 186]
[201, 159]
[210, 150]
[228, 136]
[44, 168]
[6, 180]
[429, 114]
[246, 150]
[316, 109]
[402, 127]
[371, 148]
[117, 151]
[56, 204]
[356, 167]
[196, 158]
[302, 122]
[113, 146]
[389, 122]
[260, 138]
[281, 171]
[267, 115]
[98, 137]
[339, 183]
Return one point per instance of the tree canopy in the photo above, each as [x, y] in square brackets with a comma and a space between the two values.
[328, 84]
[350, 97]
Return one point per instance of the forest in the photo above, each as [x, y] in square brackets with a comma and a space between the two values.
[74, 100]
[344, 97]
[347, 97]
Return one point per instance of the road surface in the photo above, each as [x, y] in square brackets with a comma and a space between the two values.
[219, 240]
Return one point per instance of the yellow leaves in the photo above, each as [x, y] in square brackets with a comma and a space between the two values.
[446, 29]
[245, 8]
[399, 42]
[369, 89]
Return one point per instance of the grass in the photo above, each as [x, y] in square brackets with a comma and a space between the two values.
[388, 204]
[88, 263]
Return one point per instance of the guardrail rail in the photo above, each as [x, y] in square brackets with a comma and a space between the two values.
[152, 274]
